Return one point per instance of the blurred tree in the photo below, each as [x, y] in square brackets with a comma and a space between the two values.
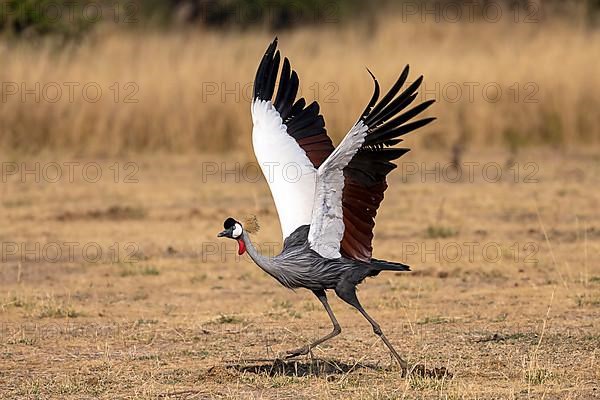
[74, 17]
[273, 14]
[39, 17]
[594, 11]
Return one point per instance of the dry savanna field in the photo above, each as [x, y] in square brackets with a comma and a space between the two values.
[117, 287]
[123, 152]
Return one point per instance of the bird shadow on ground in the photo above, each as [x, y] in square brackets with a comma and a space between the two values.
[322, 368]
[313, 367]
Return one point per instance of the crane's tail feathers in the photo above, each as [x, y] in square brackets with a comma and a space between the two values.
[383, 265]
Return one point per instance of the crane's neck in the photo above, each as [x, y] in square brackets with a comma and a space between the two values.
[265, 263]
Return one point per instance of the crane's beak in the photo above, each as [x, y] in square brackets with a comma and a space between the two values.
[225, 233]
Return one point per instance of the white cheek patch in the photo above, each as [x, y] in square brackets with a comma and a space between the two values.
[237, 231]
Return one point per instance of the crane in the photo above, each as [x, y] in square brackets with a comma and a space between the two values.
[327, 209]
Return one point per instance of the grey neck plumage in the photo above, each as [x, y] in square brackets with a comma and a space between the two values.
[265, 263]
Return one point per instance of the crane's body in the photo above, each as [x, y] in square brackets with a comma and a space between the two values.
[298, 266]
[327, 210]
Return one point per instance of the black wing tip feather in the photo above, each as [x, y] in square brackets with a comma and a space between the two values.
[386, 120]
[262, 80]
[301, 120]
[374, 98]
[365, 174]
[370, 73]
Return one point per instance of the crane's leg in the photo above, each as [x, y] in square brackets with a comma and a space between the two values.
[347, 292]
[336, 328]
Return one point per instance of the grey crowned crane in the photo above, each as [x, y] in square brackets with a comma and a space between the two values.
[327, 212]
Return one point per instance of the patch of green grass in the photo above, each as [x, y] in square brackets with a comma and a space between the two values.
[284, 304]
[17, 203]
[500, 317]
[66, 384]
[437, 232]
[58, 311]
[15, 301]
[551, 129]
[195, 353]
[537, 376]
[117, 212]
[132, 269]
[425, 383]
[173, 376]
[150, 270]
[585, 300]
[245, 276]
[435, 320]
[516, 336]
[515, 139]
[127, 269]
[27, 341]
[49, 307]
[146, 357]
[309, 306]
[493, 275]
[30, 387]
[146, 321]
[140, 295]
[198, 278]
[288, 308]
[228, 319]
[592, 338]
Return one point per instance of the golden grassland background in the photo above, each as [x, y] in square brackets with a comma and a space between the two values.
[182, 316]
[192, 88]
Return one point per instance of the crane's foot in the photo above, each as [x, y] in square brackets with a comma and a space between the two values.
[298, 352]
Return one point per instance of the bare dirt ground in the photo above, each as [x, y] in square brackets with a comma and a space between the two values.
[117, 287]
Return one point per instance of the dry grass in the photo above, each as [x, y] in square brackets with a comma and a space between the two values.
[167, 310]
[192, 88]
[168, 325]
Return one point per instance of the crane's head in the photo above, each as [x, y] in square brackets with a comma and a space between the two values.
[234, 230]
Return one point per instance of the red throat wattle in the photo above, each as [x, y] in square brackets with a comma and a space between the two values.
[242, 248]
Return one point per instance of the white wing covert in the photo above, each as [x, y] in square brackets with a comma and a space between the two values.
[351, 182]
[288, 171]
[289, 139]
[327, 222]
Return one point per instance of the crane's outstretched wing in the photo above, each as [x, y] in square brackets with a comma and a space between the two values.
[289, 139]
[351, 182]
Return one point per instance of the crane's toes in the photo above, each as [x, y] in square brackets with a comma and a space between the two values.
[297, 352]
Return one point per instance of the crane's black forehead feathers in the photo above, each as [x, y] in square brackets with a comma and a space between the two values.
[229, 222]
